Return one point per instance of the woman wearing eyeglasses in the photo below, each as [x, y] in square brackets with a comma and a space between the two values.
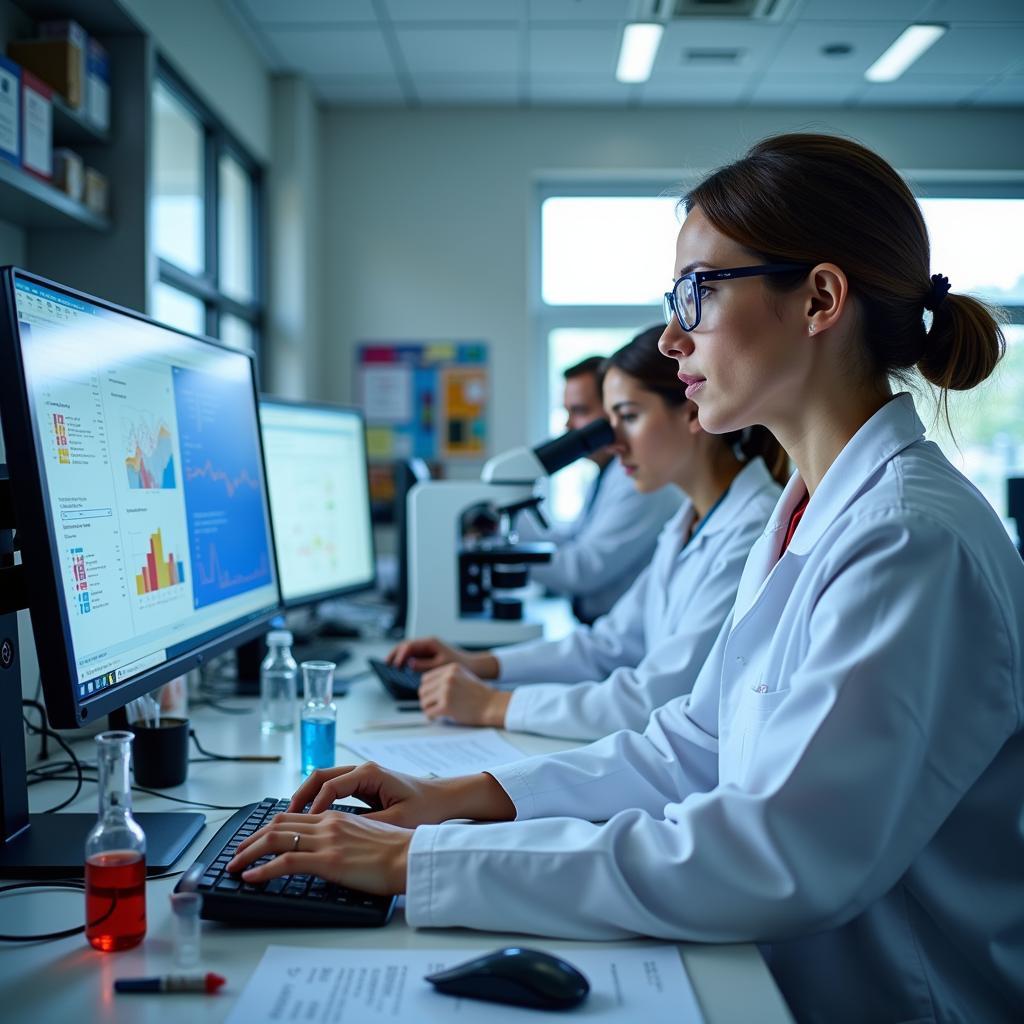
[651, 645]
[844, 783]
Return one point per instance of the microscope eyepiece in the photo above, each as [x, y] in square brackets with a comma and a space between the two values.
[574, 444]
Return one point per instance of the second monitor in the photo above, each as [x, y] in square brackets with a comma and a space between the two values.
[318, 479]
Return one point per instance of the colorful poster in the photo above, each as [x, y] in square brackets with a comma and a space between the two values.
[424, 400]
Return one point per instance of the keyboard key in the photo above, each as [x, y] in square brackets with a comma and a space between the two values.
[229, 884]
[276, 885]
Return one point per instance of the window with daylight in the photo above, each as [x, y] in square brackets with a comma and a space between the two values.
[206, 221]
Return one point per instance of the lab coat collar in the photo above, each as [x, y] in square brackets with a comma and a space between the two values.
[894, 427]
[749, 482]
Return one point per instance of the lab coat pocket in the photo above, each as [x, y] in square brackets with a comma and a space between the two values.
[755, 708]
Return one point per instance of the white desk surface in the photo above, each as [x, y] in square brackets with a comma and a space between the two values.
[66, 980]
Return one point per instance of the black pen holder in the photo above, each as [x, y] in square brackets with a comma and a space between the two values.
[160, 753]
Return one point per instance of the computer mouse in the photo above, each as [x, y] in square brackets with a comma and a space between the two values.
[523, 977]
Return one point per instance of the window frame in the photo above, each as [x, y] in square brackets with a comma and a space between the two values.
[217, 142]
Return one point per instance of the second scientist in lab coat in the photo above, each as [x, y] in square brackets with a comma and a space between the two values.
[651, 645]
[601, 552]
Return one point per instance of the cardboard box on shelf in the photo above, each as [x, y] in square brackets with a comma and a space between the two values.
[97, 85]
[55, 62]
[10, 111]
[69, 172]
[97, 193]
[75, 37]
[37, 126]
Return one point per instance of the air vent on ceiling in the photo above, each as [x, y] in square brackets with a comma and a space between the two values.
[748, 10]
[707, 56]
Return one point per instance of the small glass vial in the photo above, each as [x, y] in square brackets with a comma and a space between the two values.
[185, 908]
[278, 683]
[319, 716]
[115, 854]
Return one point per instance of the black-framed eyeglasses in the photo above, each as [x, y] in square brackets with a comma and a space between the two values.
[684, 299]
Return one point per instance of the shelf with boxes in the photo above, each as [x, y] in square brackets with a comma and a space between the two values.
[54, 97]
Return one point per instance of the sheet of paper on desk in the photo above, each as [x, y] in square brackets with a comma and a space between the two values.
[462, 753]
[359, 986]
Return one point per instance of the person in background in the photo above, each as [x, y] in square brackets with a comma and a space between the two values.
[651, 645]
[843, 784]
[613, 538]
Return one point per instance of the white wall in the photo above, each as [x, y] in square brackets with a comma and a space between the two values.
[428, 213]
[205, 44]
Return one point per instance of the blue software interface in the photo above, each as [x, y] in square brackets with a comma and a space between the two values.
[151, 459]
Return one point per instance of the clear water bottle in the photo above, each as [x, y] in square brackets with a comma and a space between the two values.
[115, 854]
[278, 683]
[319, 716]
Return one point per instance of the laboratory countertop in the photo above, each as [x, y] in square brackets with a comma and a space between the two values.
[67, 980]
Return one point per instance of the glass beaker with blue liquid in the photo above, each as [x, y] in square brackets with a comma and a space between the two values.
[319, 716]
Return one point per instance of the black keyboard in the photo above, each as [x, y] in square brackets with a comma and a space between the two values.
[401, 683]
[300, 901]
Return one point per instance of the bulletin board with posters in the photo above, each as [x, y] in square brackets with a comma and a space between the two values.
[425, 400]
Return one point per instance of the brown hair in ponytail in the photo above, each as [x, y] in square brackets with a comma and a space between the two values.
[811, 199]
[641, 360]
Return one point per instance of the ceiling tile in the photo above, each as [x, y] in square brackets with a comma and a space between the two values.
[864, 10]
[974, 11]
[468, 89]
[1005, 92]
[801, 53]
[579, 89]
[332, 51]
[589, 50]
[455, 10]
[297, 12]
[696, 89]
[460, 51]
[356, 89]
[969, 49]
[581, 10]
[810, 90]
[922, 90]
[755, 43]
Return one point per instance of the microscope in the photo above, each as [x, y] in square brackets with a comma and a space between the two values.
[464, 587]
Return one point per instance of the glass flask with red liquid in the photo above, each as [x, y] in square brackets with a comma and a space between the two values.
[115, 855]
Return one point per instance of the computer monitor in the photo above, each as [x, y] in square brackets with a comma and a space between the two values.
[319, 498]
[138, 488]
[408, 473]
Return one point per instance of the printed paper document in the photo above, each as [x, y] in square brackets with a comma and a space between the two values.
[352, 986]
[462, 753]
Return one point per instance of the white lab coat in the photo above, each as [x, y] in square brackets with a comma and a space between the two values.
[651, 645]
[600, 554]
[845, 782]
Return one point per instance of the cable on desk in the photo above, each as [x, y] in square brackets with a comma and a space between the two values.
[72, 885]
[75, 885]
[44, 730]
[271, 758]
[210, 697]
[154, 792]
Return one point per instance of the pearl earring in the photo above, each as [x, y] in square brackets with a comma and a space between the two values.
[810, 330]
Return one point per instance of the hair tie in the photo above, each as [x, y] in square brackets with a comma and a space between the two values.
[937, 292]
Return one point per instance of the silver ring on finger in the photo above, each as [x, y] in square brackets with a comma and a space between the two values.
[295, 842]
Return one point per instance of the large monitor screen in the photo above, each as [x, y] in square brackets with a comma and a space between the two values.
[147, 448]
[319, 498]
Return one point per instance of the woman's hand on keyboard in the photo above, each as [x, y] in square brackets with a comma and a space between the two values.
[394, 798]
[344, 848]
[404, 799]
